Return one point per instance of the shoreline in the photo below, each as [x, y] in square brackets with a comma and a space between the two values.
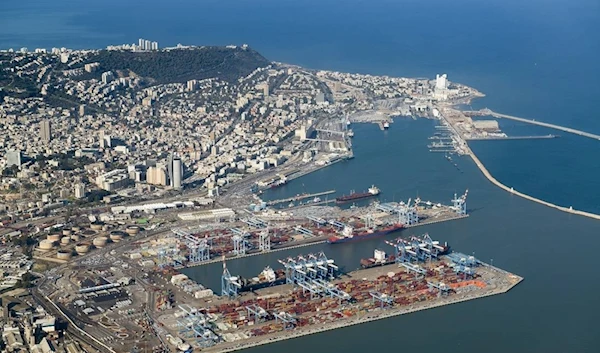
[378, 315]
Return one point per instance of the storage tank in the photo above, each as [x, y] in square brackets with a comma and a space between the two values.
[89, 233]
[96, 226]
[65, 240]
[74, 237]
[76, 228]
[46, 244]
[82, 248]
[100, 242]
[132, 230]
[117, 236]
[53, 237]
[106, 227]
[63, 255]
[66, 231]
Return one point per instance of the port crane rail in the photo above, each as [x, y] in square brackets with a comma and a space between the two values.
[199, 249]
[459, 204]
[258, 312]
[196, 323]
[384, 299]
[230, 285]
[288, 320]
[443, 288]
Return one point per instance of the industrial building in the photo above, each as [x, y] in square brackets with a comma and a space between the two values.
[113, 180]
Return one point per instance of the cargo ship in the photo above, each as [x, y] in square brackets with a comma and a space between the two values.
[371, 192]
[267, 278]
[348, 234]
[379, 259]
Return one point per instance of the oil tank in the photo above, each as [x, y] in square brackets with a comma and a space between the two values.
[117, 236]
[66, 231]
[100, 242]
[82, 248]
[65, 240]
[132, 230]
[76, 228]
[46, 244]
[63, 255]
[88, 233]
[75, 237]
[53, 237]
[96, 226]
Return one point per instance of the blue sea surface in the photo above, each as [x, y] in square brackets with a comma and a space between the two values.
[535, 59]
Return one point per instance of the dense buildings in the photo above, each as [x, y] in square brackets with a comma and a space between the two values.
[110, 130]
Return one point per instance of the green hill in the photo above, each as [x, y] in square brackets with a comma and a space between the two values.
[180, 65]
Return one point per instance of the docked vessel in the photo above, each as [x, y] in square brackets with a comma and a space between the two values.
[267, 278]
[379, 259]
[349, 234]
[386, 124]
[371, 192]
[279, 182]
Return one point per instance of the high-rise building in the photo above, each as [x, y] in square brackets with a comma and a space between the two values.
[45, 131]
[147, 45]
[79, 191]
[82, 109]
[176, 173]
[141, 43]
[266, 89]
[107, 77]
[156, 175]
[13, 157]
[441, 82]
[154, 45]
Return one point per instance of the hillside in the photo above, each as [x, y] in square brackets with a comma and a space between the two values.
[180, 65]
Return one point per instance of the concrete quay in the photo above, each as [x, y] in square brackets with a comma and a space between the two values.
[508, 281]
[533, 137]
[491, 178]
[534, 122]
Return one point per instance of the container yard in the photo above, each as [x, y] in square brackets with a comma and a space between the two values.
[272, 231]
[315, 297]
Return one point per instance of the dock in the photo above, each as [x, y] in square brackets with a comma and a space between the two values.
[492, 138]
[489, 112]
[410, 292]
[300, 197]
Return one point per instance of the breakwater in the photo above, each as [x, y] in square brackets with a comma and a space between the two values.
[491, 178]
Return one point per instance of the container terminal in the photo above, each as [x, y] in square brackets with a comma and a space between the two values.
[122, 278]
[252, 235]
[314, 296]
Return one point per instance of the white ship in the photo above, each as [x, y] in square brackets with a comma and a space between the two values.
[386, 125]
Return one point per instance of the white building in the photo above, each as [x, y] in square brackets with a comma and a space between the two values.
[79, 191]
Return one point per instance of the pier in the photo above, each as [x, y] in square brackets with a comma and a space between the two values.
[533, 137]
[300, 197]
[489, 112]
